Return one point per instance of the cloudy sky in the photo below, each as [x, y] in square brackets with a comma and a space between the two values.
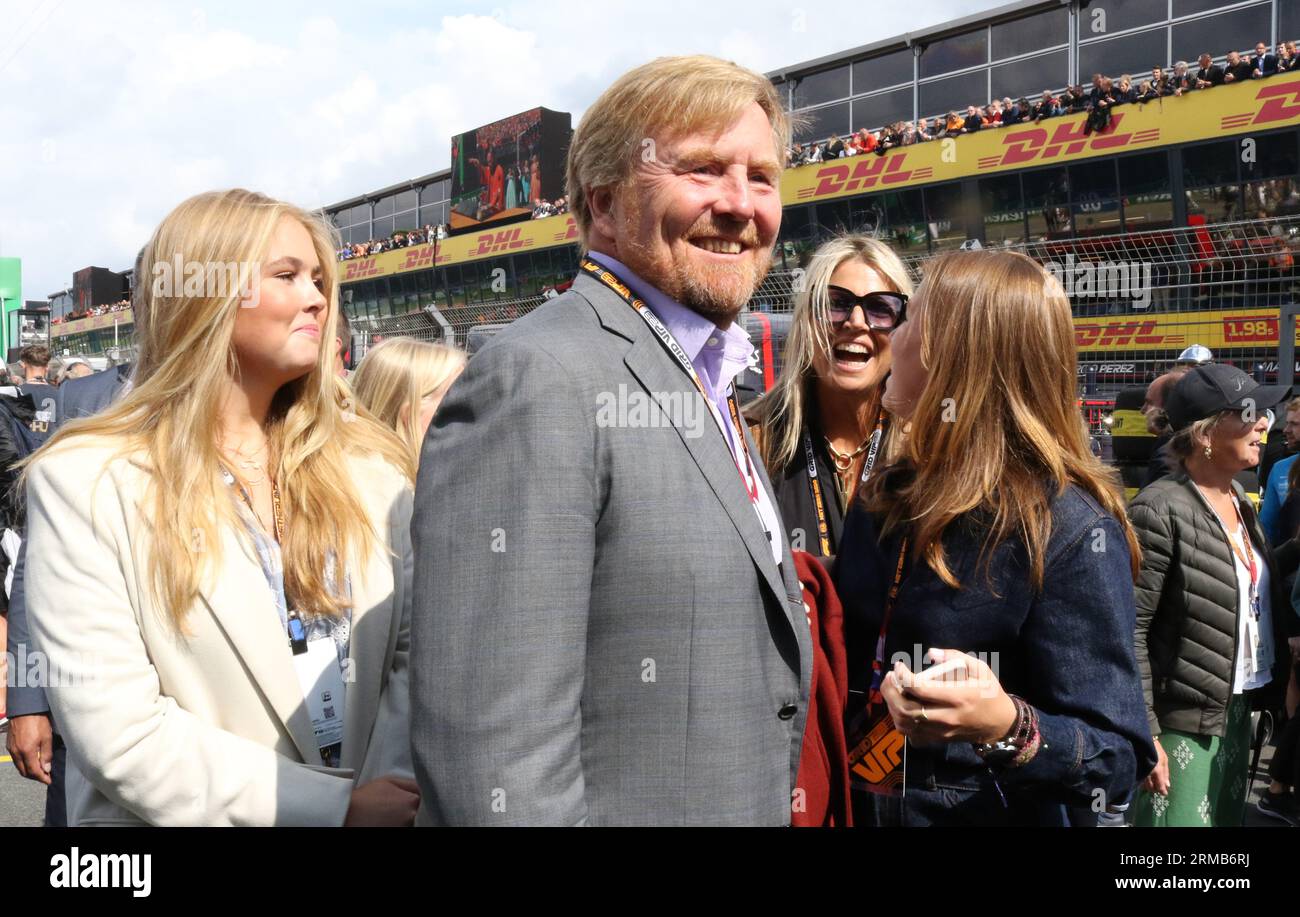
[112, 112]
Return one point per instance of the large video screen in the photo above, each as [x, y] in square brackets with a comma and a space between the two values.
[506, 168]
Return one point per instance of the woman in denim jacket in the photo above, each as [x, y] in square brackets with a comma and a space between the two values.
[1005, 544]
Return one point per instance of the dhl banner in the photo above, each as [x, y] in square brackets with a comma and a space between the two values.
[1215, 329]
[1205, 114]
[123, 318]
[504, 240]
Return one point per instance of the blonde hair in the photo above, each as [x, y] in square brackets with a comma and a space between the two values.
[676, 94]
[998, 342]
[782, 412]
[1184, 443]
[396, 375]
[171, 414]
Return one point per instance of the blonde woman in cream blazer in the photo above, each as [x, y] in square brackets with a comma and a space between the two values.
[177, 695]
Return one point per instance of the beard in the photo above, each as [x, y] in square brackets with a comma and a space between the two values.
[716, 291]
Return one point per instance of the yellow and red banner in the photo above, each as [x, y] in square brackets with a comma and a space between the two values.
[503, 240]
[1218, 329]
[1206, 114]
[122, 318]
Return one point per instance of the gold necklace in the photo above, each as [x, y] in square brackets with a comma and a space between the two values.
[844, 461]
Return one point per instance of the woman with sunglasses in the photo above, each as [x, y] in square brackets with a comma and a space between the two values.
[996, 547]
[1213, 617]
[821, 429]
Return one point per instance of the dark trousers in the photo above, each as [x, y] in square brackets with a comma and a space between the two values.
[56, 802]
[1283, 767]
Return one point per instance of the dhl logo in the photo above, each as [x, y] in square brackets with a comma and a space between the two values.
[419, 257]
[865, 173]
[1281, 103]
[490, 243]
[1066, 138]
[570, 231]
[1114, 334]
[365, 267]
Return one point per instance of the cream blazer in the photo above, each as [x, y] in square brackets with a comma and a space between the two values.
[206, 727]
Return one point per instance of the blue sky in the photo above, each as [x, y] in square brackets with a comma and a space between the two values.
[113, 112]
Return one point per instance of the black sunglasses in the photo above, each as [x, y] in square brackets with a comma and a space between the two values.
[883, 311]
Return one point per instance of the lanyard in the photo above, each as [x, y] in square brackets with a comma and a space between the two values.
[878, 664]
[1248, 558]
[814, 483]
[747, 475]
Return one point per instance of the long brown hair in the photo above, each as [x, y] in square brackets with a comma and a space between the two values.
[997, 430]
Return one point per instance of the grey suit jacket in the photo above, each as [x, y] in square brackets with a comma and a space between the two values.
[599, 633]
[74, 398]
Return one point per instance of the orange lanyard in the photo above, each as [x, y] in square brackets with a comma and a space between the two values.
[747, 475]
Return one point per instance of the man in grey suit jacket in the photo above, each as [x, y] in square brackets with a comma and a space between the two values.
[33, 743]
[607, 628]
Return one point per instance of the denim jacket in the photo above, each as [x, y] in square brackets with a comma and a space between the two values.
[1068, 651]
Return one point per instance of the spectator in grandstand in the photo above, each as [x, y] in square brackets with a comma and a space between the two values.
[1100, 99]
[609, 495]
[1237, 69]
[1209, 74]
[1047, 106]
[866, 140]
[890, 137]
[825, 407]
[834, 147]
[922, 131]
[402, 381]
[1160, 82]
[1014, 112]
[1285, 57]
[1213, 620]
[1262, 64]
[1278, 484]
[196, 721]
[996, 501]
[1147, 93]
[974, 120]
[1286, 60]
[798, 156]
[955, 125]
[1075, 101]
[1124, 92]
[909, 135]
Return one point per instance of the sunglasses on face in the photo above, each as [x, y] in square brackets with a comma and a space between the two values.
[883, 311]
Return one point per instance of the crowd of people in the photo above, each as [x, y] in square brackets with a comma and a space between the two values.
[120, 306]
[401, 239]
[1098, 101]
[582, 585]
[430, 233]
